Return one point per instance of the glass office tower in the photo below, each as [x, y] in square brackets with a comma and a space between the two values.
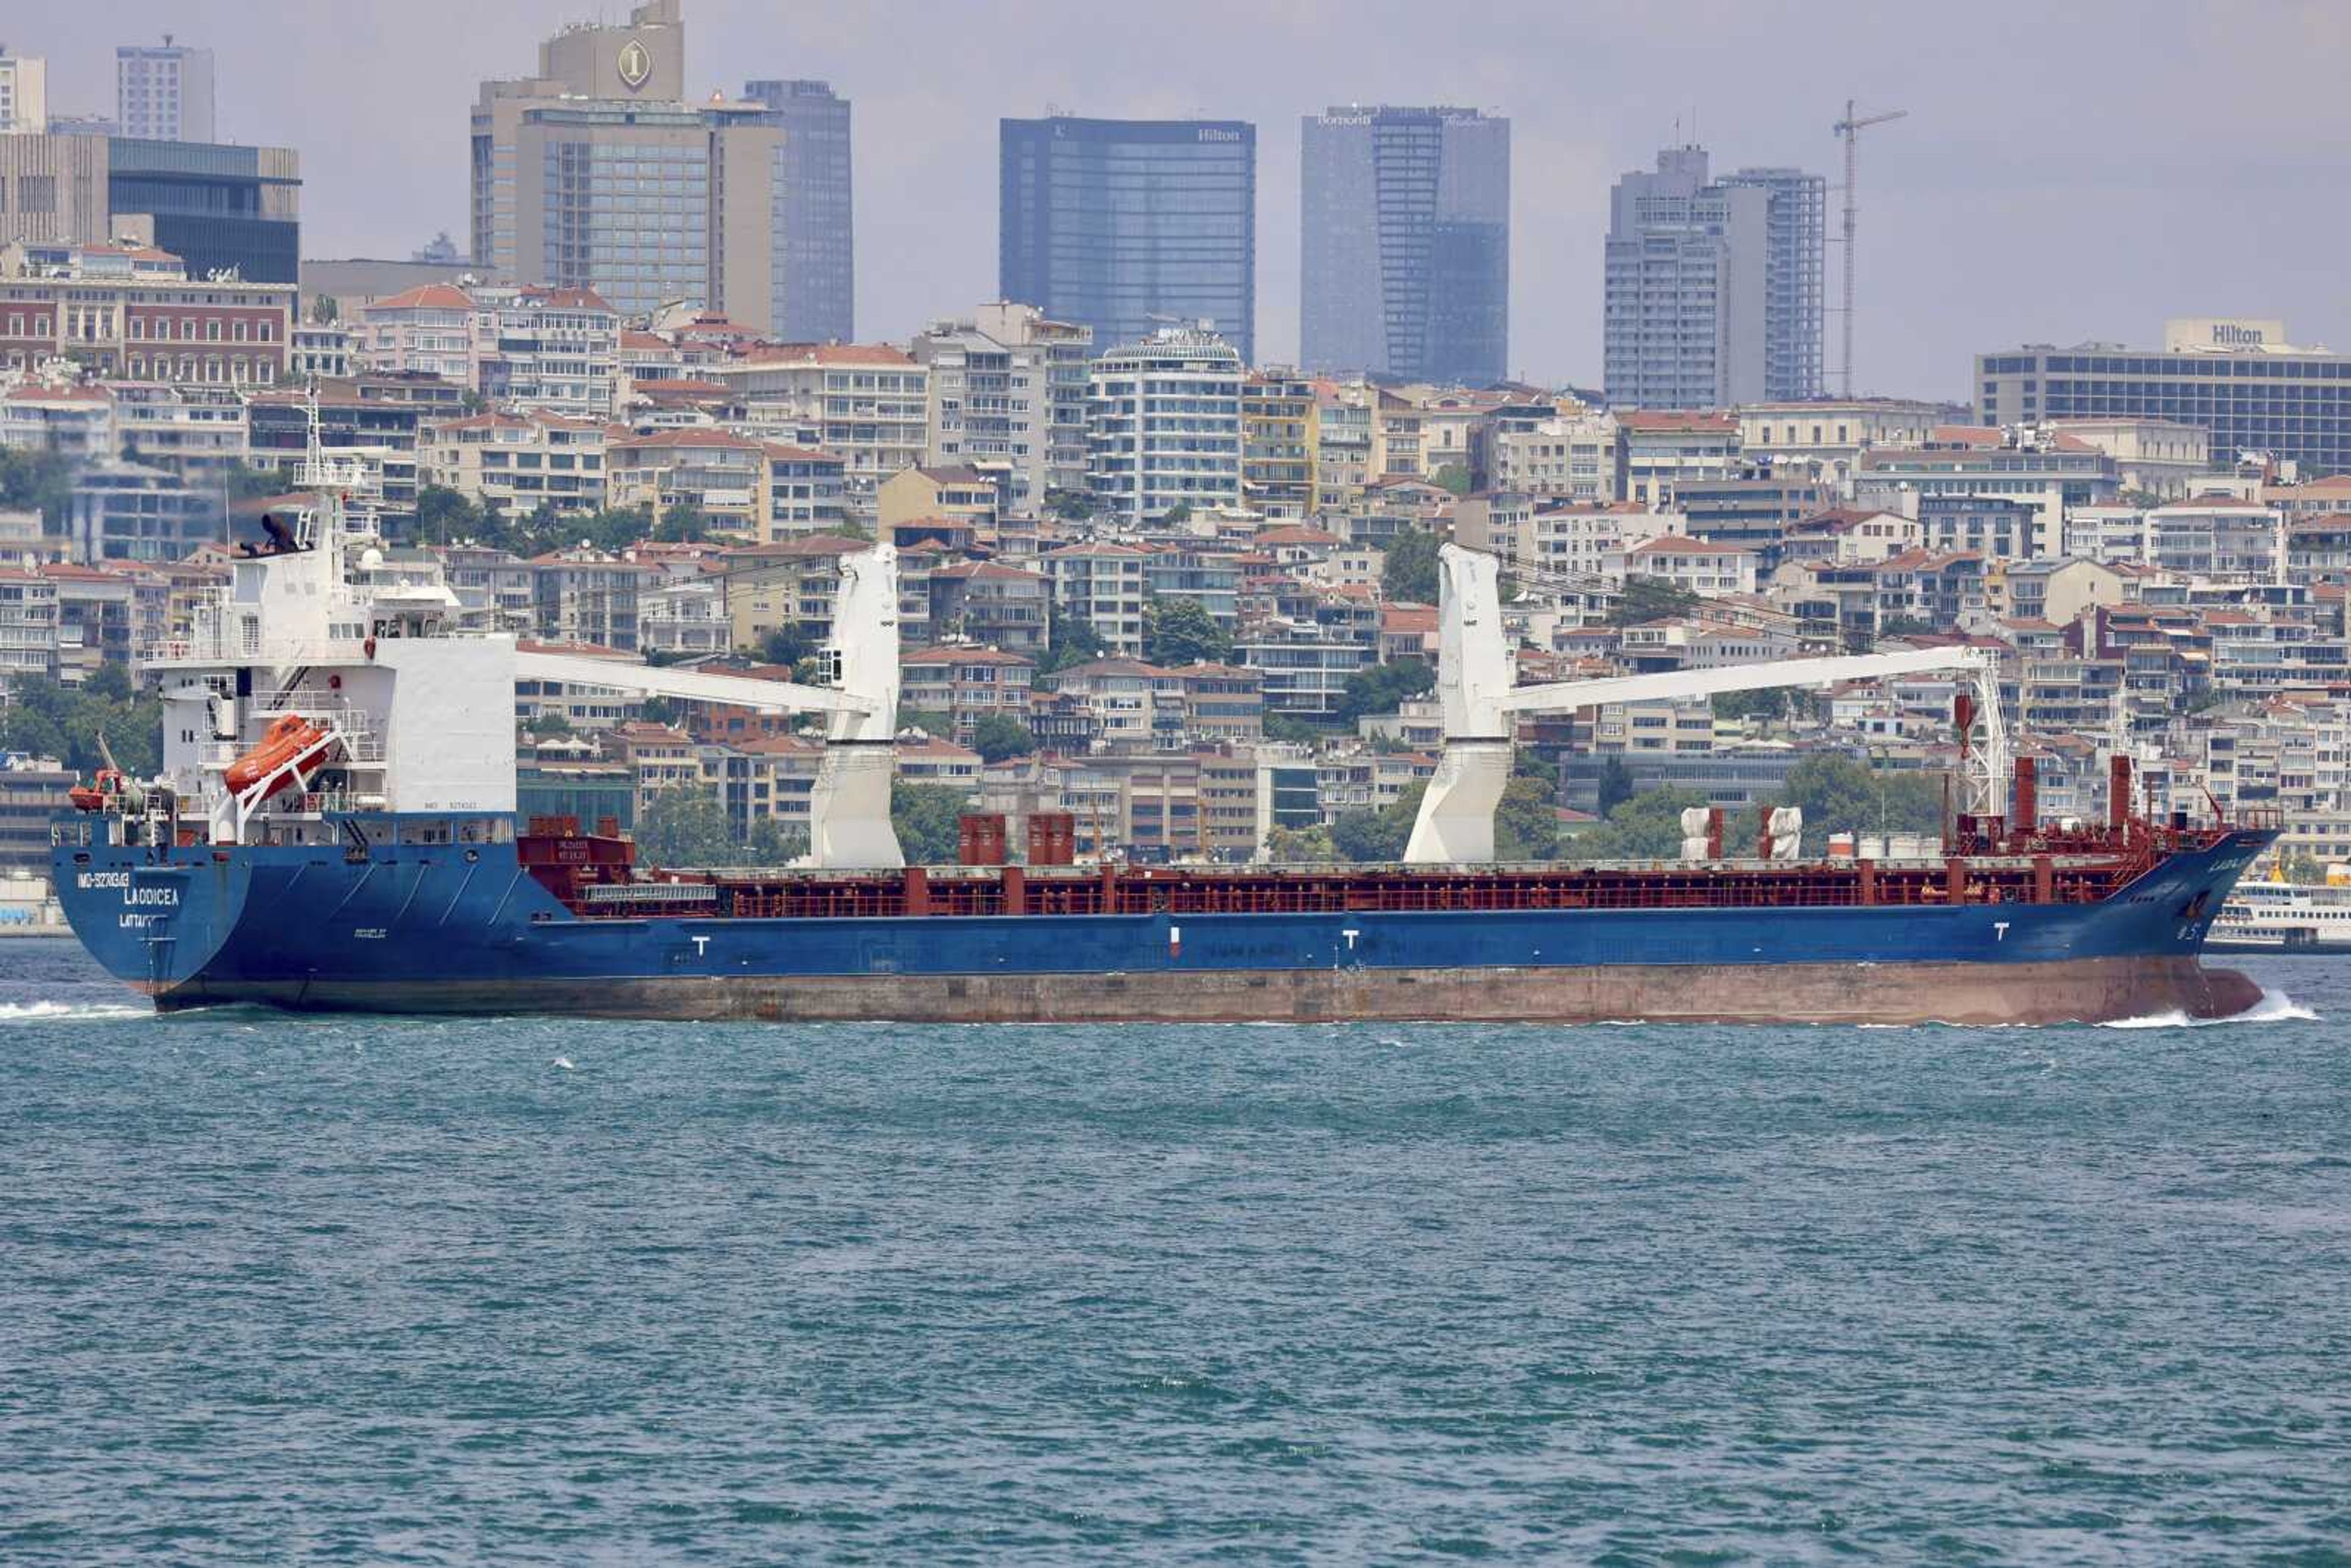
[1405, 242]
[1127, 225]
[815, 247]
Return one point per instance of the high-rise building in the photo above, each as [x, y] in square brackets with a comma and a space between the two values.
[2239, 379]
[647, 205]
[217, 208]
[1125, 225]
[1712, 292]
[642, 61]
[1405, 242]
[597, 173]
[24, 94]
[1795, 302]
[163, 92]
[815, 282]
[1166, 425]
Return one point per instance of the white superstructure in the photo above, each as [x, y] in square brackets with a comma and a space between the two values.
[300, 696]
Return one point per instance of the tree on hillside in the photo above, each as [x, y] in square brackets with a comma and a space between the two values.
[1839, 795]
[1616, 785]
[1648, 826]
[1454, 477]
[1526, 822]
[1382, 688]
[1771, 703]
[1301, 846]
[1068, 640]
[39, 482]
[682, 523]
[1367, 836]
[1182, 632]
[48, 718]
[1290, 729]
[1647, 598]
[686, 826]
[786, 645]
[445, 516]
[1408, 568]
[927, 816]
[999, 736]
[771, 843]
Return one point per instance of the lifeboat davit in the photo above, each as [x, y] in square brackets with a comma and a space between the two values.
[290, 737]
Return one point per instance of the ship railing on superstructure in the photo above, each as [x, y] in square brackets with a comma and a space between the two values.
[206, 650]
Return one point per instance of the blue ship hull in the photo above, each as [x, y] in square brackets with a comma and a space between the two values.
[444, 928]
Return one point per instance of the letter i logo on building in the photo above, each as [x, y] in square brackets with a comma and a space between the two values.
[636, 63]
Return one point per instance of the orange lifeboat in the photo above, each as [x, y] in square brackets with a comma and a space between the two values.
[97, 796]
[284, 741]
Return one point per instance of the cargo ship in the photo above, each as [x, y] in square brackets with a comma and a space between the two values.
[333, 829]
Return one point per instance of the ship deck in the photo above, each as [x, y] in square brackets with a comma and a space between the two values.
[594, 878]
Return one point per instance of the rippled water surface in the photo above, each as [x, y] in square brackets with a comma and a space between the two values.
[418, 1291]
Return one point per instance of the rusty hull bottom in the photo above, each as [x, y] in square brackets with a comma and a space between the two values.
[2077, 991]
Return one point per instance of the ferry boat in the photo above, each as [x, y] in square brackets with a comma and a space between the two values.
[333, 828]
[2281, 917]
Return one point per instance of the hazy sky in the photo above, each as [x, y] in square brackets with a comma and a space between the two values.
[2066, 172]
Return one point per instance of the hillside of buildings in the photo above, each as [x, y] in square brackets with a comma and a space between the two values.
[1187, 600]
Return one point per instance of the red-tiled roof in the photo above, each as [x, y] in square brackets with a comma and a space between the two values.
[567, 298]
[957, 655]
[426, 297]
[1675, 544]
[825, 354]
[1295, 534]
[701, 435]
[1668, 419]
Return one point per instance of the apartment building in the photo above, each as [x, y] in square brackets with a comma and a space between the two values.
[517, 462]
[867, 403]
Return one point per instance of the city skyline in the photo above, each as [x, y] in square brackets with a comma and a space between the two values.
[2080, 209]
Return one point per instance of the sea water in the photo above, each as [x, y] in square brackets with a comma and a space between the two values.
[429, 1292]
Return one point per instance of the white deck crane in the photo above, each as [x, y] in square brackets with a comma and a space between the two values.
[849, 811]
[1476, 700]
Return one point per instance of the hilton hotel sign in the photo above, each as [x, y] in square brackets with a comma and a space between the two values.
[2190, 334]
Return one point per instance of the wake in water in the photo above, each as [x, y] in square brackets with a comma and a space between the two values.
[50, 1012]
[2275, 1007]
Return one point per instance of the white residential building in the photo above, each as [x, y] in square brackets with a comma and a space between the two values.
[1007, 396]
[552, 348]
[1709, 568]
[1102, 585]
[866, 404]
[517, 462]
[1568, 456]
[1164, 425]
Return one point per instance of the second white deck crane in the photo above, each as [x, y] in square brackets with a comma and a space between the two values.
[1478, 704]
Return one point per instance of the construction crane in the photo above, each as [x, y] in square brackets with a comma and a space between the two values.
[1850, 127]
